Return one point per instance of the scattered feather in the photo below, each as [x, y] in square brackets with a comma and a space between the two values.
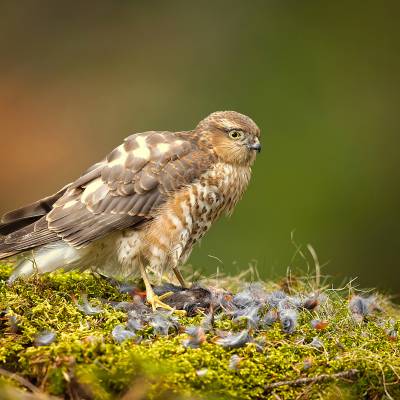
[234, 340]
[361, 307]
[162, 322]
[316, 343]
[275, 298]
[134, 324]
[135, 305]
[196, 337]
[120, 334]
[234, 362]
[87, 308]
[45, 338]
[288, 318]
[221, 300]
[253, 294]
[208, 322]
[269, 318]
[250, 314]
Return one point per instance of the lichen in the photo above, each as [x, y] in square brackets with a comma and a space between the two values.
[85, 361]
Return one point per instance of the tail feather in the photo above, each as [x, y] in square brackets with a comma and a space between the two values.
[17, 219]
[29, 237]
[26, 227]
[6, 250]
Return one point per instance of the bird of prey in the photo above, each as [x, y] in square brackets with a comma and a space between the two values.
[141, 208]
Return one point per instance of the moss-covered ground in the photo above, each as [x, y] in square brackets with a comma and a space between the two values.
[84, 360]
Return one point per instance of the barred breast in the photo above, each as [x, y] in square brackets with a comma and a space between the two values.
[189, 214]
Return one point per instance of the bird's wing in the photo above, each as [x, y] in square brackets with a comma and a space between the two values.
[124, 190]
[128, 187]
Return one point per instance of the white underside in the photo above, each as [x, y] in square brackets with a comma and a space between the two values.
[113, 256]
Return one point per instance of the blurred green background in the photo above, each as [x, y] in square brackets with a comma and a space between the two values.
[321, 79]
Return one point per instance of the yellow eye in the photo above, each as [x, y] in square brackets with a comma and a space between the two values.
[235, 135]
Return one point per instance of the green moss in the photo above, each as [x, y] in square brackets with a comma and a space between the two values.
[84, 356]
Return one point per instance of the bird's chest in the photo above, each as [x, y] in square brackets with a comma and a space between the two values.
[216, 192]
[189, 214]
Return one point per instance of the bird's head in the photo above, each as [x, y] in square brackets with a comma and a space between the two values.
[234, 137]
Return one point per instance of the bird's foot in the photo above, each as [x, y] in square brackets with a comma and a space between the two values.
[157, 302]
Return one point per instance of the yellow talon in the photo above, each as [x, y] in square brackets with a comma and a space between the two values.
[181, 313]
[156, 302]
[165, 295]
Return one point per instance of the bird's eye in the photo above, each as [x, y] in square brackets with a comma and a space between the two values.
[235, 134]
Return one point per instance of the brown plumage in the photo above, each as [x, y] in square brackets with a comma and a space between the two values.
[144, 205]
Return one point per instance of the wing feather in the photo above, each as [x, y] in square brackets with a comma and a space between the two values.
[129, 186]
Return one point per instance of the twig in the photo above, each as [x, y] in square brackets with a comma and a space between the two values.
[22, 381]
[320, 378]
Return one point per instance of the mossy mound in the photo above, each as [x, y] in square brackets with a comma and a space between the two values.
[84, 360]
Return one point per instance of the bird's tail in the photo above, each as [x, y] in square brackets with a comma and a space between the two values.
[24, 216]
[27, 238]
[26, 228]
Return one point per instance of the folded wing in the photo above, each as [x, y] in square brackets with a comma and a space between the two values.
[124, 190]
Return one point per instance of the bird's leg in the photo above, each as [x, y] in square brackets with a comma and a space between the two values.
[176, 255]
[151, 297]
[179, 276]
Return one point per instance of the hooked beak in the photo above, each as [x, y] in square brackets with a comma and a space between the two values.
[255, 146]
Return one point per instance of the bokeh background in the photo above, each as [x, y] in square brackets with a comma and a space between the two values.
[322, 80]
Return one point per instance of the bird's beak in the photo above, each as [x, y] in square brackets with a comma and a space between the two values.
[255, 146]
